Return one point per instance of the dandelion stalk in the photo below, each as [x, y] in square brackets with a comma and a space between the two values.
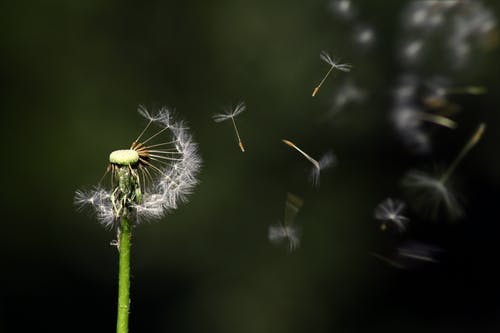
[124, 276]
[126, 194]
[468, 146]
[170, 167]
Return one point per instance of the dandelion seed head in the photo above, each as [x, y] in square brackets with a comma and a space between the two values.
[124, 157]
[169, 172]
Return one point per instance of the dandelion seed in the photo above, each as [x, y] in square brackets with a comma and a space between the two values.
[326, 161]
[364, 35]
[287, 230]
[348, 93]
[418, 251]
[464, 24]
[231, 114]
[342, 8]
[389, 261]
[412, 50]
[409, 116]
[467, 90]
[333, 65]
[474, 24]
[439, 90]
[435, 119]
[151, 177]
[433, 192]
[411, 255]
[390, 211]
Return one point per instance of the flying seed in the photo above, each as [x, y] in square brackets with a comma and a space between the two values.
[287, 230]
[333, 65]
[231, 114]
[326, 161]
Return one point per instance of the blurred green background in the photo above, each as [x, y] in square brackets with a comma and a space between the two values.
[73, 74]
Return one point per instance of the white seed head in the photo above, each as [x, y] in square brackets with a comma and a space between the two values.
[169, 172]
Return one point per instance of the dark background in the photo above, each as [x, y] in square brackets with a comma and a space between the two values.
[73, 74]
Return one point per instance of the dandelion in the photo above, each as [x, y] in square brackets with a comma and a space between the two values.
[231, 114]
[390, 211]
[436, 191]
[326, 161]
[287, 230]
[148, 180]
[333, 65]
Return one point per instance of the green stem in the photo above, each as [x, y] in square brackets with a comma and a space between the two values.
[124, 276]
